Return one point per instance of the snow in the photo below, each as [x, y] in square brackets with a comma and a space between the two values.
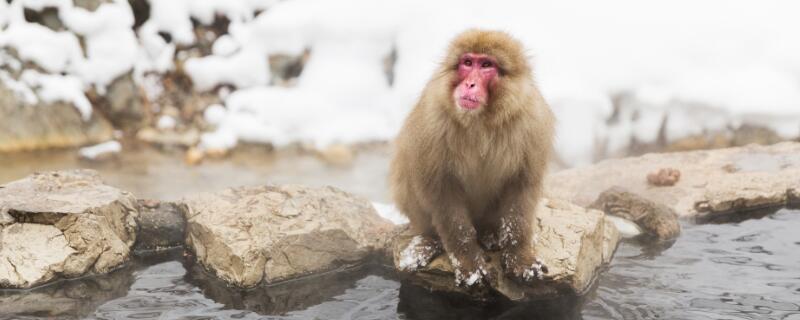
[728, 56]
[92, 152]
[704, 66]
[166, 122]
[412, 258]
[627, 229]
[55, 88]
[390, 212]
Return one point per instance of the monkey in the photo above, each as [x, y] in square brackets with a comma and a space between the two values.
[470, 158]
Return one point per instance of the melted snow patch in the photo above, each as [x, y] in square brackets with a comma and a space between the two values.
[413, 256]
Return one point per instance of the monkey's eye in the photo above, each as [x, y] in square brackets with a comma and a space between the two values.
[486, 64]
[468, 63]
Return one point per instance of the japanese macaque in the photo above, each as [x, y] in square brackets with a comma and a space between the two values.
[470, 160]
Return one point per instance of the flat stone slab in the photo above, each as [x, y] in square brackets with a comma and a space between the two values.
[574, 242]
[262, 235]
[712, 182]
[63, 224]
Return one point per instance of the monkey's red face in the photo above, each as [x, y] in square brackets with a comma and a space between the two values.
[477, 75]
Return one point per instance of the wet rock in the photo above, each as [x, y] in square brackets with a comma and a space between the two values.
[572, 241]
[657, 220]
[161, 225]
[25, 127]
[713, 182]
[254, 235]
[66, 224]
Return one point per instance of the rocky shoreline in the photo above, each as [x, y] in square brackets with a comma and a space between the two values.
[70, 224]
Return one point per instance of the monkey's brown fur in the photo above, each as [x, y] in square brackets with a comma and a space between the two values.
[464, 176]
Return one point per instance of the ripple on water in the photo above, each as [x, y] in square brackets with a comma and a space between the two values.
[742, 270]
[708, 274]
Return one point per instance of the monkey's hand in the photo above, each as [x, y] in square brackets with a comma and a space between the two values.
[472, 271]
[523, 267]
[419, 252]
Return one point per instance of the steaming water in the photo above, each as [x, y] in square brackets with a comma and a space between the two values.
[748, 269]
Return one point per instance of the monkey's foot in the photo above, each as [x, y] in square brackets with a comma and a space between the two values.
[523, 268]
[472, 272]
[419, 252]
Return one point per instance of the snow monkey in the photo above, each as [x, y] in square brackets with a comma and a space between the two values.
[470, 159]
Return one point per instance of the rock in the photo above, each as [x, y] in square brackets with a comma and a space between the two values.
[194, 156]
[254, 235]
[161, 225]
[657, 220]
[90, 5]
[188, 138]
[713, 182]
[664, 177]
[338, 154]
[572, 241]
[47, 16]
[285, 68]
[66, 224]
[123, 102]
[26, 127]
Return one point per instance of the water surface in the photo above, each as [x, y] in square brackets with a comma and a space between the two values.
[747, 268]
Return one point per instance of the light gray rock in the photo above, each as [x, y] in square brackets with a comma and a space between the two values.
[712, 183]
[574, 242]
[123, 102]
[261, 235]
[66, 224]
[26, 127]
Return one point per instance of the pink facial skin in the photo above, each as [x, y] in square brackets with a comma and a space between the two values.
[477, 74]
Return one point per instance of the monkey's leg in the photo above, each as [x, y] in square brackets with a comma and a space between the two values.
[516, 215]
[459, 237]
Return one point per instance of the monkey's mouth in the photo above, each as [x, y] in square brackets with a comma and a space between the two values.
[469, 103]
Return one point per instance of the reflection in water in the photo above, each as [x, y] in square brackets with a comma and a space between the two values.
[283, 297]
[741, 266]
[153, 174]
[744, 270]
[421, 304]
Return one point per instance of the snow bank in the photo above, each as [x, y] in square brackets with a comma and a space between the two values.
[704, 65]
[729, 59]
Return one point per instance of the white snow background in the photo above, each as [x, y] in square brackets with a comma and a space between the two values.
[708, 64]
